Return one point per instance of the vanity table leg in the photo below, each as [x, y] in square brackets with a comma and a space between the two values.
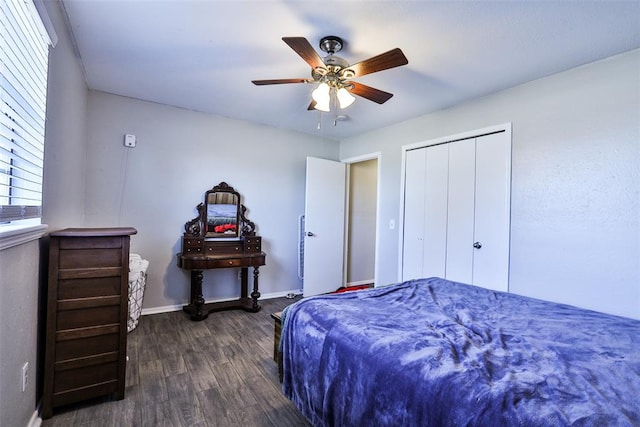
[255, 294]
[244, 283]
[197, 300]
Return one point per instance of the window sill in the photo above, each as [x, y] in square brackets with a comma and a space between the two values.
[18, 235]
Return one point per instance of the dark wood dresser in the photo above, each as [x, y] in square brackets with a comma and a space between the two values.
[87, 309]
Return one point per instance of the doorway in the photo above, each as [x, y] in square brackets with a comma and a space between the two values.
[339, 237]
[361, 222]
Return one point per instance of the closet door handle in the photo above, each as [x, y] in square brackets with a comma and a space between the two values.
[310, 234]
[477, 245]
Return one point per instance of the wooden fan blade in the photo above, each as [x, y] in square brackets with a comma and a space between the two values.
[372, 94]
[303, 48]
[384, 61]
[279, 81]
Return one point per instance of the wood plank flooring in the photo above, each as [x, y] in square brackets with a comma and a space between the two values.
[217, 372]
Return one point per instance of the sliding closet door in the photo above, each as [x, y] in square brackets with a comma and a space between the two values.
[425, 213]
[492, 212]
[414, 188]
[457, 211]
[435, 211]
[460, 215]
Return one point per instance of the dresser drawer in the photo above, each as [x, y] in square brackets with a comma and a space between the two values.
[223, 248]
[85, 376]
[191, 245]
[192, 250]
[90, 258]
[88, 287]
[224, 263]
[253, 244]
[86, 317]
[87, 346]
[190, 242]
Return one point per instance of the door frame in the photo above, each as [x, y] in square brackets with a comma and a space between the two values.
[377, 155]
[504, 127]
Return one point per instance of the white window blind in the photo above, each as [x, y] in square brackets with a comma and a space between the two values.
[23, 97]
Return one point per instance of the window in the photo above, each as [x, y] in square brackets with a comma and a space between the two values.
[23, 97]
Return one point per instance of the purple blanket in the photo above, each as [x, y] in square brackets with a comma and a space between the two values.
[433, 352]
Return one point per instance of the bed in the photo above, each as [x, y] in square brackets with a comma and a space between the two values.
[432, 352]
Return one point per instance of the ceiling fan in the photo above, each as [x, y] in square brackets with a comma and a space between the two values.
[334, 75]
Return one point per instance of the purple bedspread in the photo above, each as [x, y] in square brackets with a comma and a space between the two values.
[432, 352]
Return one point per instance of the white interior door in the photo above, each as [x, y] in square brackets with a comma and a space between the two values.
[324, 226]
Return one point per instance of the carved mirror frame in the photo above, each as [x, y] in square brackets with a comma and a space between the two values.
[215, 218]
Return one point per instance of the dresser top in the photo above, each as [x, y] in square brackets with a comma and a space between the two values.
[94, 232]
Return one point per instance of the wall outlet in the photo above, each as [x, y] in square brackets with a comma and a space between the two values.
[25, 375]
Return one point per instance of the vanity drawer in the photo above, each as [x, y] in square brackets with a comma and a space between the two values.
[192, 245]
[223, 248]
[253, 244]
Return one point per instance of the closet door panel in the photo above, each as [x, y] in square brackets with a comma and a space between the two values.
[492, 211]
[460, 222]
[414, 190]
[435, 212]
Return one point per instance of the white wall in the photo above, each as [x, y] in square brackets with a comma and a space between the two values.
[575, 227]
[18, 334]
[180, 154]
[22, 277]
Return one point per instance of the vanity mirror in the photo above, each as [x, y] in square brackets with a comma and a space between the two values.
[220, 216]
[221, 213]
[221, 236]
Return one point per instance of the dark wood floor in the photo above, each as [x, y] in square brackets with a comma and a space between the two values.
[218, 372]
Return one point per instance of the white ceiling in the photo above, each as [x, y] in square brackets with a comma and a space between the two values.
[202, 55]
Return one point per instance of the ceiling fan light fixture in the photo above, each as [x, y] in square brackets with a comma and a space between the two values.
[322, 106]
[345, 98]
[321, 95]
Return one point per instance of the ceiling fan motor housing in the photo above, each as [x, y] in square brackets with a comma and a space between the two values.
[335, 71]
[331, 44]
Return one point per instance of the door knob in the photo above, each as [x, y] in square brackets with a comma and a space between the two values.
[477, 245]
[310, 234]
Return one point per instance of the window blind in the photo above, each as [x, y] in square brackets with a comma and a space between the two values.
[23, 97]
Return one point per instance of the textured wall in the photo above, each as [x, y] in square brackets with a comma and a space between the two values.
[180, 154]
[575, 204]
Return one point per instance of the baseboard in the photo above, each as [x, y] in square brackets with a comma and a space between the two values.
[35, 420]
[178, 307]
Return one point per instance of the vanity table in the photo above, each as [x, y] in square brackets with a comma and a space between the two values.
[221, 237]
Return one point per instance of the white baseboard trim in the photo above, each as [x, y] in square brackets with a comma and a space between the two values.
[35, 420]
[178, 307]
